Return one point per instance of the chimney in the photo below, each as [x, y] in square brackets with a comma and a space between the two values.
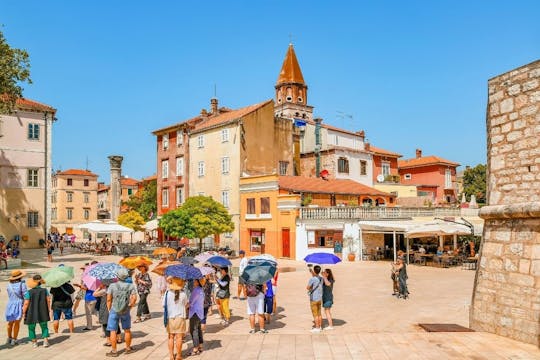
[214, 106]
[418, 153]
[362, 134]
[367, 146]
[204, 113]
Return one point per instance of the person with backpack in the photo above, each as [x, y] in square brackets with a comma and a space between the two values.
[144, 284]
[255, 306]
[121, 297]
[62, 304]
[103, 314]
[315, 292]
[37, 303]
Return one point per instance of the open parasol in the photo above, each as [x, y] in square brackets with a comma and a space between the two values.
[56, 277]
[131, 262]
[183, 271]
[160, 268]
[163, 251]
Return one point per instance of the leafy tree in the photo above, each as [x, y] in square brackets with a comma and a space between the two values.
[474, 182]
[198, 217]
[132, 220]
[14, 70]
[144, 201]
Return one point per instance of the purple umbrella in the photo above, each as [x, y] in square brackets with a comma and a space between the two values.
[322, 258]
[183, 271]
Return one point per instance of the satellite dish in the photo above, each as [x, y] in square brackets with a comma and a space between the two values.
[380, 178]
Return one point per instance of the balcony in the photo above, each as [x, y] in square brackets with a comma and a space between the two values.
[373, 213]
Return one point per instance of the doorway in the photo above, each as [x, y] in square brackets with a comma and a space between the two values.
[286, 242]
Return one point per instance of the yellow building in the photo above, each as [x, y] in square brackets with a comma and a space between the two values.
[74, 200]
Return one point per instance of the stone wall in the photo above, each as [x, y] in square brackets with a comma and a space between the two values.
[506, 297]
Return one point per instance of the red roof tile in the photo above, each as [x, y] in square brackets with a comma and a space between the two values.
[425, 161]
[333, 186]
[125, 181]
[77, 172]
[290, 70]
[27, 104]
[103, 187]
[379, 151]
[229, 116]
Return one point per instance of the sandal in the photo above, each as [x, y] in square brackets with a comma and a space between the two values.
[107, 344]
[138, 320]
[194, 352]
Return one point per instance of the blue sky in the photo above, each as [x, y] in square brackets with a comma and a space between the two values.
[410, 73]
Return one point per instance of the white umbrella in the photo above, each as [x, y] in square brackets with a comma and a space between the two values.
[151, 225]
[108, 227]
[438, 229]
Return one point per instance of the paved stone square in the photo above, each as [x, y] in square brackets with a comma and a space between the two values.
[369, 322]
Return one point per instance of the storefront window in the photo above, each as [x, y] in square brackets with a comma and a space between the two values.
[324, 238]
[256, 240]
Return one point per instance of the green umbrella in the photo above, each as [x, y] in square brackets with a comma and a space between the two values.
[56, 277]
[68, 270]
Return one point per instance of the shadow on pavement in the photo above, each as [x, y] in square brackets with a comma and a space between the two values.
[144, 344]
[138, 334]
[58, 339]
[337, 322]
[156, 314]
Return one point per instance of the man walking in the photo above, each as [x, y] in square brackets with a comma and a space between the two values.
[121, 297]
[62, 304]
[315, 291]
[242, 282]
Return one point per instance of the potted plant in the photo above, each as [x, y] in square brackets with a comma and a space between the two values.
[348, 242]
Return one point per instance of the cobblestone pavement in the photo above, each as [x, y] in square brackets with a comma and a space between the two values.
[369, 323]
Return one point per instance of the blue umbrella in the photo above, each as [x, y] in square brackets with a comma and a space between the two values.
[183, 271]
[259, 273]
[218, 261]
[322, 258]
[105, 271]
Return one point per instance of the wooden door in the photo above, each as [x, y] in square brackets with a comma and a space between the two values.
[286, 242]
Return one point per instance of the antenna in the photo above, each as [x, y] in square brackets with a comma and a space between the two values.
[215, 90]
[343, 116]
[290, 38]
[87, 162]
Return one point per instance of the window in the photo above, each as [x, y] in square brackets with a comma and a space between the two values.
[225, 165]
[256, 240]
[86, 197]
[179, 196]
[179, 138]
[33, 131]
[165, 141]
[86, 182]
[69, 213]
[165, 198]
[224, 135]
[265, 205]
[53, 197]
[251, 206]
[363, 167]
[225, 198]
[86, 213]
[385, 168]
[448, 179]
[201, 168]
[343, 165]
[32, 178]
[324, 238]
[69, 182]
[53, 214]
[130, 192]
[200, 141]
[336, 140]
[283, 165]
[179, 166]
[69, 195]
[407, 176]
[165, 169]
[32, 219]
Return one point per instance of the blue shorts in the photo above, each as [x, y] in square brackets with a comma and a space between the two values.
[114, 318]
[68, 314]
[268, 304]
[327, 304]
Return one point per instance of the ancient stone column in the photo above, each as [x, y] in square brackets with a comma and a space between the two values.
[116, 190]
[506, 297]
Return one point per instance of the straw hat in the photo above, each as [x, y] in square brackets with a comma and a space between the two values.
[34, 281]
[16, 275]
[176, 284]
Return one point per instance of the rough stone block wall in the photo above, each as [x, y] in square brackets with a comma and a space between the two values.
[372, 241]
[506, 297]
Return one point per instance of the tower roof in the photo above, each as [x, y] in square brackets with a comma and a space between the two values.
[290, 70]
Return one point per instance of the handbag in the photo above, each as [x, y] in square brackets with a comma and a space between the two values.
[165, 312]
[221, 294]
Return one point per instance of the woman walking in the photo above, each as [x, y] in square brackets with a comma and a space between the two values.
[16, 290]
[207, 289]
[196, 314]
[174, 306]
[50, 248]
[328, 296]
[36, 310]
[223, 280]
[401, 269]
[144, 283]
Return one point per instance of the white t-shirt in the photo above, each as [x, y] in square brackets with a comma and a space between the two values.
[242, 266]
[175, 309]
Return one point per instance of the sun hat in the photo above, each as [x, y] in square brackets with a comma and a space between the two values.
[242, 252]
[122, 274]
[34, 281]
[176, 284]
[16, 275]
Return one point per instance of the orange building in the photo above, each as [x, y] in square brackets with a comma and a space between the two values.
[385, 165]
[432, 175]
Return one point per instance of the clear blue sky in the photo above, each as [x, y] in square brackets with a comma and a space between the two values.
[411, 73]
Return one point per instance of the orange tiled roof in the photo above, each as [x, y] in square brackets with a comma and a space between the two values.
[229, 116]
[333, 186]
[77, 172]
[125, 181]
[425, 161]
[290, 70]
[27, 104]
[379, 151]
[103, 187]
[188, 122]
[150, 178]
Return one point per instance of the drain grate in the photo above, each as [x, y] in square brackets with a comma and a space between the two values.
[444, 328]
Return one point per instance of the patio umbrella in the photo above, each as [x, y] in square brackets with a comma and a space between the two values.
[160, 268]
[183, 271]
[105, 271]
[259, 274]
[205, 270]
[322, 258]
[218, 261]
[132, 262]
[203, 257]
[56, 277]
[262, 258]
[163, 251]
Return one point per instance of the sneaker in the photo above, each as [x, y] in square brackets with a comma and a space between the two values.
[316, 330]
[14, 342]
[46, 344]
[329, 328]
[264, 331]
[252, 331]
[111, 354]
[224, 323]
[8, 341]
[34, 344]
[86, 329]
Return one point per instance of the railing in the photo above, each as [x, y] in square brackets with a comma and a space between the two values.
[373, 213]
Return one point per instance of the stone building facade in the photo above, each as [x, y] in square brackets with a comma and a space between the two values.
[506, 298]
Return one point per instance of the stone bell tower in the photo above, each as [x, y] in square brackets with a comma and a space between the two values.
[116, 190]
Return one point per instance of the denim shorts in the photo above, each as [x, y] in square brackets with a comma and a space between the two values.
[327, 304]
[114, 318]
[68, 314]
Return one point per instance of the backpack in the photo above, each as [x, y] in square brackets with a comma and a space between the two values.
[120, 302]
[252, 290]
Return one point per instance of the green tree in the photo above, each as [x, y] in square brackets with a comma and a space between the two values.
[474, 182]
[198, 217]
[144, 201]
[132, 220]
[14, 70]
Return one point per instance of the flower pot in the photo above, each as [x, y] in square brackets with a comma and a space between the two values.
[351, 256]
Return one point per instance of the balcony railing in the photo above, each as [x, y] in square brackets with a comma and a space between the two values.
[373, 213]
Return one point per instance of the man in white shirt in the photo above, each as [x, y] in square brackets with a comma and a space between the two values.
[241, 282]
